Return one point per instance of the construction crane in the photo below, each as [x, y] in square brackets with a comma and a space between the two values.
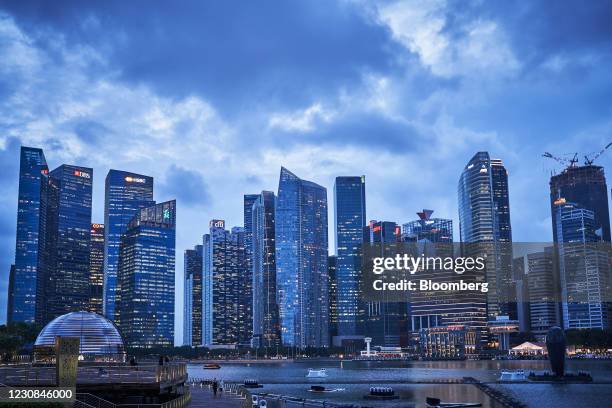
[565, 161]
[589, 161]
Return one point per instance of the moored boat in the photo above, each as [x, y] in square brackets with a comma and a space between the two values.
[212, 366]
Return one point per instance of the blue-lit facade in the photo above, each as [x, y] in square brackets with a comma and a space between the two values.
[585, 186]
[64, 242]
[192, 296]
[583, 268]
[223, 264]
[125, 195]
[32, 167]
[145, 293]
[266, 324]
[386, 322]
[350, 218]
[484, 220]
[96, 268]
[301, 261]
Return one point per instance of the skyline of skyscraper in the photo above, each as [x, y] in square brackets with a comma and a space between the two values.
[146, 274]
[301, 260]
[386, 321]
[32, 166]
[585, 186]
[192, 298]
[584, 268]
[96, 268]
[224, 263]
[64, 242]
[125, 194]
[484, 224]
[350, 219]
[266, 323]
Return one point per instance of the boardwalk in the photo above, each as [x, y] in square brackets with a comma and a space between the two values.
[203, 397]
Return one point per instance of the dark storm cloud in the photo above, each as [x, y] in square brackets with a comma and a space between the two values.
[540, 29]
[364, 130]
[187, 186]
[237, 54]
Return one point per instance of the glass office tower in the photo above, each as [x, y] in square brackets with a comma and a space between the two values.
[145, 292]
[125, 195]
[96, 268]
[9, 298]
[301, 261]
[192, 315]
[543, 310]
[266, 326]
[224, 266]
[484, 224]
[583, 268]
[434, 237]
[586, 187]
[385, 321]
[32, 166]
[64, 242]
[350, 218]
[332, 289]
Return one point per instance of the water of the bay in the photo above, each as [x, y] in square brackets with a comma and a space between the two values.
[355, 378]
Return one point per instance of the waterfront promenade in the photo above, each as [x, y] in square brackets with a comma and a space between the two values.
[203, 397]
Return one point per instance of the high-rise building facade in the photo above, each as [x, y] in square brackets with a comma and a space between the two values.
[224, 267]
[484, 225]
[586, 187]
[266, 324]
[584, 269]
[32, 167]
[125, 194]
[64, 242]
[332, 297]
[96, 268]
[386, 321]
[301, 261]
[434, 237]
[350, 219]
[541, 289]
[145, 292]
[192, 315]
[9, 297]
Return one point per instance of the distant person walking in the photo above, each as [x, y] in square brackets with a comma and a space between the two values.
[215, 386]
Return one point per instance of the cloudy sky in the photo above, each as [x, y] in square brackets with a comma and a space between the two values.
[211, 98]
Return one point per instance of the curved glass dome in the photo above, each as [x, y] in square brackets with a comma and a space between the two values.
[99, 338]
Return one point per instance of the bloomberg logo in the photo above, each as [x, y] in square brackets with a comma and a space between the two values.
[131, 179]
[79, 173]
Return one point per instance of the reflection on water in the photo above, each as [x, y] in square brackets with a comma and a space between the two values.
[355, 377]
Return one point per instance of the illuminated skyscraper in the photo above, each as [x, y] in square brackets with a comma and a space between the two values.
[192, 316]
[96, 268]
[301, 261]
[64, 242]
[385, 321]
[332, 297]
[11, 289]
[223, 308]
[125, 195]
[584, 270]
[350, 218]
[32, 167]
[586, 187]
[266, 326]
[484, 224]
[145, 292]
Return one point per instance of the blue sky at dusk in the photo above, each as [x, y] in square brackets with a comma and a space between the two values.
[211, 98]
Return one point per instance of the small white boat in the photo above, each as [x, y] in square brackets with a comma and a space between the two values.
[316, 373]
[518, 375]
